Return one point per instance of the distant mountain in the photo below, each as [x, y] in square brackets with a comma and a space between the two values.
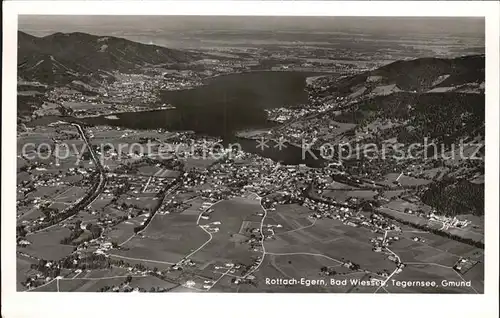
[64, 57]
[465, 74]
[441, 99]
[406, 103]
[443, 117]
[433, 97]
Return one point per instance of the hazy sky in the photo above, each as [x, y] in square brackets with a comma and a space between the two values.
[42, 25]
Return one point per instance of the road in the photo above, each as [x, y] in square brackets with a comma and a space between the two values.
[174, 186]
[147, 184]
[96, 190]
[383, 284]
[201, 227]
[140, 259]
[261, 240]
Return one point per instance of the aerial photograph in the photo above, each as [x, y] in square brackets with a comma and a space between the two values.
[250, 154]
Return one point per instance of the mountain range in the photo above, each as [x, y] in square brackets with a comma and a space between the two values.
[432, 97]
[60, 58]
[421, 75]
[404, 103]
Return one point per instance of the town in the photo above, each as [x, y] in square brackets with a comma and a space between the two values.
[209, 159]
[140, 186]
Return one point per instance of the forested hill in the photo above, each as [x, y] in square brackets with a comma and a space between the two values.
[64, 57]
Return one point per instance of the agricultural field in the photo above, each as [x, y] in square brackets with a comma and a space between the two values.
[404, 180]
[23, 269]
[195, 206]
[335, 185]
[168, 238]
[343, 195]
[46, 244]
[396, 210]
[93, 281]
[225, 243]
[124, 230]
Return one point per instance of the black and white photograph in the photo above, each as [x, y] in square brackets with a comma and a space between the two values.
[251, 154]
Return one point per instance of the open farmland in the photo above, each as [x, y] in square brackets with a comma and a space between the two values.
[224, 243]
[289, 217]
[50, 286]
[46, 244]
[195, 207]
[23, 269]
[149, 282]
[464, 234]
[124, 230]
[331, 239]
[343, 195]
[324, 160]
[404, 180]
[168, 238]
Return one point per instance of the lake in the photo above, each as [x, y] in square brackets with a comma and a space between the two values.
[225, 105]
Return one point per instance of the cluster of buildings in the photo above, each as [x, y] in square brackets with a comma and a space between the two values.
[235, 176]
[30, 192]
[144, 88]
[449, 221]
[211, 227]
[127, 93]
[284, 114]
[464, 264]
[446, 221]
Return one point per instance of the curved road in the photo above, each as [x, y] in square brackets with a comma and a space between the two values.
[90, 197]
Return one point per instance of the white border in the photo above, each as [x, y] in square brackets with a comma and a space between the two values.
[16, 304]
